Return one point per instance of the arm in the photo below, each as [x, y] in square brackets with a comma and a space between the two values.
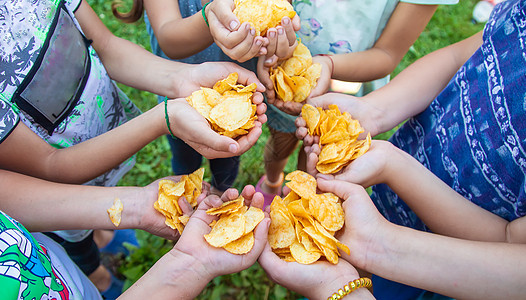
[78, 206]
[184, 271]
[441, 208]
[404, 26]
[411, 91]
[178, 37]
[454, 267]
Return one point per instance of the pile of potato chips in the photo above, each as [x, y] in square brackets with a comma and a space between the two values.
[188, 186]
[227, 106]
[338, 137]
[303, 223]
[233, 231]
[295, 77]
[263, 14]
[114, 212]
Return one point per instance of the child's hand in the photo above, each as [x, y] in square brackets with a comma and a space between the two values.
[237, 41]
[364, 227]
[191, 77]
[282, 39]
[315, 281]
[218, 261]
[369, 169]
[291, 108]
[151, 220]
[324, 82]
[188, 125]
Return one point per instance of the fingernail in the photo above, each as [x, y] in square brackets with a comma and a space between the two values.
[272, 34]
[233, 25]
[252, 31]
[258, 42]
[280, 31]
[268, 61]
[232, 148]
[286, 21]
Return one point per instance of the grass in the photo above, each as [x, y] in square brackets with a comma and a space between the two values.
[449, 24]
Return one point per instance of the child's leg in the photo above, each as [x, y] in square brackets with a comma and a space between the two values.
[185, 159]
[280, 145]
[224, 172]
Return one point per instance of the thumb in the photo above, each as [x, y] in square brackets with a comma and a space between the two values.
[211, 144]
[224, 14]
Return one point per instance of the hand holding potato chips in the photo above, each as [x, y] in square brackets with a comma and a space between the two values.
[233, 231]
[294, 78]
[303, 223]
[263, 14]
[169, 193]
[338, 137]
[227, 106]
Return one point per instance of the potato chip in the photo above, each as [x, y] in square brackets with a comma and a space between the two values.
[301, 255]
[228, 228]
[228, 231]
[227, 106]
[338, 135]
[114, 212]
[263, 14]
[295, 77]
[242, 245]
[302, 228]
[226, 207]
[167, 202]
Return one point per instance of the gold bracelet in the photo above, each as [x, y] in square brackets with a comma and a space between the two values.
[351, 287]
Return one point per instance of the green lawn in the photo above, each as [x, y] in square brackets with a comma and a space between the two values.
[450, 24]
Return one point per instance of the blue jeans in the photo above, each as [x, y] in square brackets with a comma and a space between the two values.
[186, 160]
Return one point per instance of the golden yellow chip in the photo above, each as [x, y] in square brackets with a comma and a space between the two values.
[114, 212]
[295, 77]
[242, 245]
[281, 232]
[226, 84]
[167, 202]
[301, 255]
[232, 113]
[301, 183]
[338, 135]
[227, 107]
[184, 219]
[306, 226]
[253, 216]
[263, 14]
[227, 229]
[226, 206]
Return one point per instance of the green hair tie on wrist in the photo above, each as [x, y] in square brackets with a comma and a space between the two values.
[166, 117]
[203, 12]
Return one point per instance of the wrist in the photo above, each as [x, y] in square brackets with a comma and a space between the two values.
[352, 287]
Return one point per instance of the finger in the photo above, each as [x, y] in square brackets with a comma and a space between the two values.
[293, 108]
[289, 31]
[229, 194]
[282, 49]
[248, 140]
[272, 36]
[212, 145]
[301, 133]
[321, 101]
[271, 61]
[247, 193]
[342, 189]
[253, 51]
[312, 161]
[261, 238]
[224, 14]
[187, 209]
[237, 42]
[296, 23]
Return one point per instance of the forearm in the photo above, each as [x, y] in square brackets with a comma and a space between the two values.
[441, 208]
[28, 199]
[411, 91]
[182, 38]
[363, 66]
[175, 276]
[24, 152]
[456, 268]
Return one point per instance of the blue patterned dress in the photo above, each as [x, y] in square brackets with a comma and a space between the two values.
[473, 135]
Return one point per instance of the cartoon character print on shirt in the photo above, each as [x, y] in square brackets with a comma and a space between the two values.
[25, 267]
[311, 28]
